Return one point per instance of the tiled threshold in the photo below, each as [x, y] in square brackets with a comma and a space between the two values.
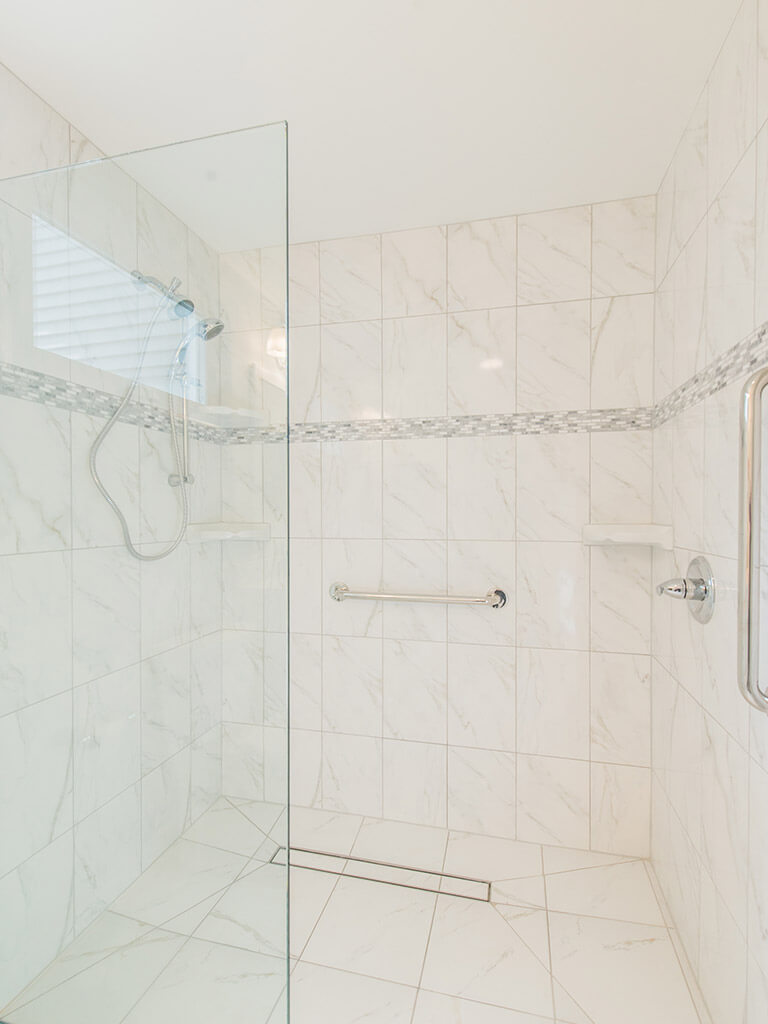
[566, 937]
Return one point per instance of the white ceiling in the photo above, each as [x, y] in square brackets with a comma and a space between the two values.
[401, 112]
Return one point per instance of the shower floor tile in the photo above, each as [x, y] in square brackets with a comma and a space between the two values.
[568, 936]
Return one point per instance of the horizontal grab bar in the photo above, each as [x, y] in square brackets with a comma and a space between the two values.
[493, 599]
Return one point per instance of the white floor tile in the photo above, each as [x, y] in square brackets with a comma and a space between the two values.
[622, 892]
[519, 892]
[432, 1008]
[532, 927]
[183, 876]
[263, 814]
[322, 995]
[375, 929]
[486, 857]
[252, 913]
[227, 828]
[104, 993]
[619, 972]
[206, 982]
[310, 891]
[108, 933]
[558, 858]
[474, 954]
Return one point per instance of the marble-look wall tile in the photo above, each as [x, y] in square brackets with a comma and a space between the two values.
[554, 255]
[352, 685]
[352, 774]
[205, 683]
[481, 696]
[615, 789]
[240, 290]
[722, 957]
[482, 264]
[161, 242]
[622, 352]
[413, 271]
[690, 181]
[414, 485]
[36, 764]
[620, 588]
[481, 488]
[165, 621]
[35, 504]
[475, 567]
[424, 804]
[414, 567]
[351, 371]
[243, 760]
[107, 855]
[553, 356]
[205, 771]
[350, 279]
[358, 563]
[481, 791]
[414, 367]
[482, 356]
[731, 259]
[38, 909]
[106, 612]
[107, 736]
[553, 702]
[623, 246]
[304, 284]
[352, 489]
[305, 372]
[306, 681]
[40, 135]
[306, 767]
[552, 586]
[552, 487]
[165, 806]
[243, 676]
[33, 589]
[553, 801]
[621, 477]
[620, 688]
[306, 591]
[761, 223]
[243, 575]
[165, 706]
[414, 690]
[732, 98]
[103, 212]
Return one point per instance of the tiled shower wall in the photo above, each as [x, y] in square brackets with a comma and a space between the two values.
[710, 750]
[532, 721]
[110, 737]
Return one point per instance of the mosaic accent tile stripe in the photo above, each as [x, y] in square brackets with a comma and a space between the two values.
[743, 358]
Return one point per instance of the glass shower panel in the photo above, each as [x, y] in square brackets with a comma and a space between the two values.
[143, 587]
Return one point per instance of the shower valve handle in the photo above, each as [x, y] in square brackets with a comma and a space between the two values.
[684, 589]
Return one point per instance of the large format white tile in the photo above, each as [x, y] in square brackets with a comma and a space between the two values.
[350, 279]
[351, 371]
[482, 355]
[622, 892]
[618, 971]
[482, 263]
[473, 954]
[554, 255]
[206, 980]
[432, 1008]
[490, 858]
[481, 696]
[322, 995]
[186, 874]
[395, 842]
[623, 246]
[413, 271]
[415, 690]
[414, 366]
[36, 766]
[374, 929]
[553, 357]
[252, 913]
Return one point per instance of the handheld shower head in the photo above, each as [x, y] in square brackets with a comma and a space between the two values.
[205, 329]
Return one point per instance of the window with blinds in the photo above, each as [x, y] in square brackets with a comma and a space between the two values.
[88, 309]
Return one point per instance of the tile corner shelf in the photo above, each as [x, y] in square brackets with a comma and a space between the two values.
[628, 533]
[200, 532]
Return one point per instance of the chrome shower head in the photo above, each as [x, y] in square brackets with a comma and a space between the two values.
[181, 308]
[210, 329]
[205, 329]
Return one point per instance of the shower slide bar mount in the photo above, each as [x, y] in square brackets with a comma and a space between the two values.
[493, 599]
[748, 614]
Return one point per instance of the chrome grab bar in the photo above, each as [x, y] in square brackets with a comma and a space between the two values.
[749, 542]
[493, 599]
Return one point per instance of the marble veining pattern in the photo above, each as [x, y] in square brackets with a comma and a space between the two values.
[742, 358]
[202, 932]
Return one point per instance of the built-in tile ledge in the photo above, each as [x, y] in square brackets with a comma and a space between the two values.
[627, 533]
[222, 417]
[201, 532]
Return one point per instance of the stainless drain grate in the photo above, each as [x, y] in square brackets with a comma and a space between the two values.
[389, 874]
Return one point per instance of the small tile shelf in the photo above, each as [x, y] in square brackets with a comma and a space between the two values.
[627, 533]
[201, 532]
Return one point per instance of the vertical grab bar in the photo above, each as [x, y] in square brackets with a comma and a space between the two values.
[749, 542]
